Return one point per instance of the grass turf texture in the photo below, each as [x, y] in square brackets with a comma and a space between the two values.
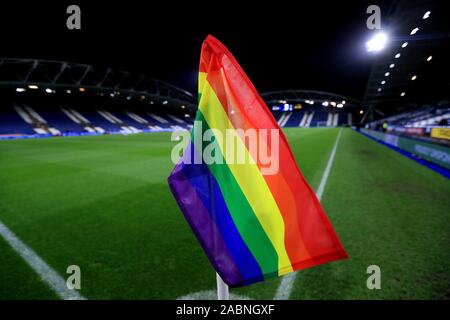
[103, 203]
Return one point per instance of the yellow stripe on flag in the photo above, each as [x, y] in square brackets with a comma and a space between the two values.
[201, 81]
[247, 175]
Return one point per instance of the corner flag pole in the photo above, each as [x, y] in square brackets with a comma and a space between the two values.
[222, 289]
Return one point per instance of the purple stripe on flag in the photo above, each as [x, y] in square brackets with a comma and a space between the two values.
[204, 228]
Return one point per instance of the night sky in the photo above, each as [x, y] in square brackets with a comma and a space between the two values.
[280, 45]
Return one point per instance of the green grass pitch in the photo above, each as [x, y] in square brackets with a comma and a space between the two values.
[103, 203]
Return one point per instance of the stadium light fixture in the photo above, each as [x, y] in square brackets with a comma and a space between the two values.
[48, 90]
[20, 89]
[404, 44]
[429, 58]
[33, 86]
[68, 91]
[397, 55]
[187, 115]
[426, 15]
[379, 89]
[325, 103]
[383, 82]
[402, 94]
[387, 74]
[282, 101]
[333, 103]
[340, 105]
[343, 102]
[182, 106]
[129, 98]
[165, 102]
[377, 43]
[392, 65]
[414, 77]
[361, 112]
[81, 89]
[414, 31]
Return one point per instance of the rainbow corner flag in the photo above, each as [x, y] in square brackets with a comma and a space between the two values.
[252, 223]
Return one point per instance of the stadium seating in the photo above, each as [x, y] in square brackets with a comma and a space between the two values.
[429, 123]
[422, 117]
[319, 119]
[294, 119]
[343, 118]
[81, 118]
[12, 123]
[55, 119]
[312, 117]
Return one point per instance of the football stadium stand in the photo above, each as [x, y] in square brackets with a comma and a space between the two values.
[22, 119]
[41, 98]
[429, 123]
[311, 117]
[427, 116]
[436, 115]
[307, 108]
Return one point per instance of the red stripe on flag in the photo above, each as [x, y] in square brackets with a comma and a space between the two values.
[308, 232]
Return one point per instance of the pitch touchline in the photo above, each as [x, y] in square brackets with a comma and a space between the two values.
[47, 274]
[285, 288]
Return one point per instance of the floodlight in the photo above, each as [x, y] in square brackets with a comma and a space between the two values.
[377, 43]
[413, 31]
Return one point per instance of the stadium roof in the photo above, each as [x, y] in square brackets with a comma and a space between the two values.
[49, 75]
[309, 97]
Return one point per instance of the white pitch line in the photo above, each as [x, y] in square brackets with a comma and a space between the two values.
[287, 282]
[326, 173]
[47, 274]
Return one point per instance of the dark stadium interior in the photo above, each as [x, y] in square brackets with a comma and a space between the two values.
[88, 120]
[313, 46]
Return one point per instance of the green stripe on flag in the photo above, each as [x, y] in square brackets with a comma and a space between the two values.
[243, 216]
